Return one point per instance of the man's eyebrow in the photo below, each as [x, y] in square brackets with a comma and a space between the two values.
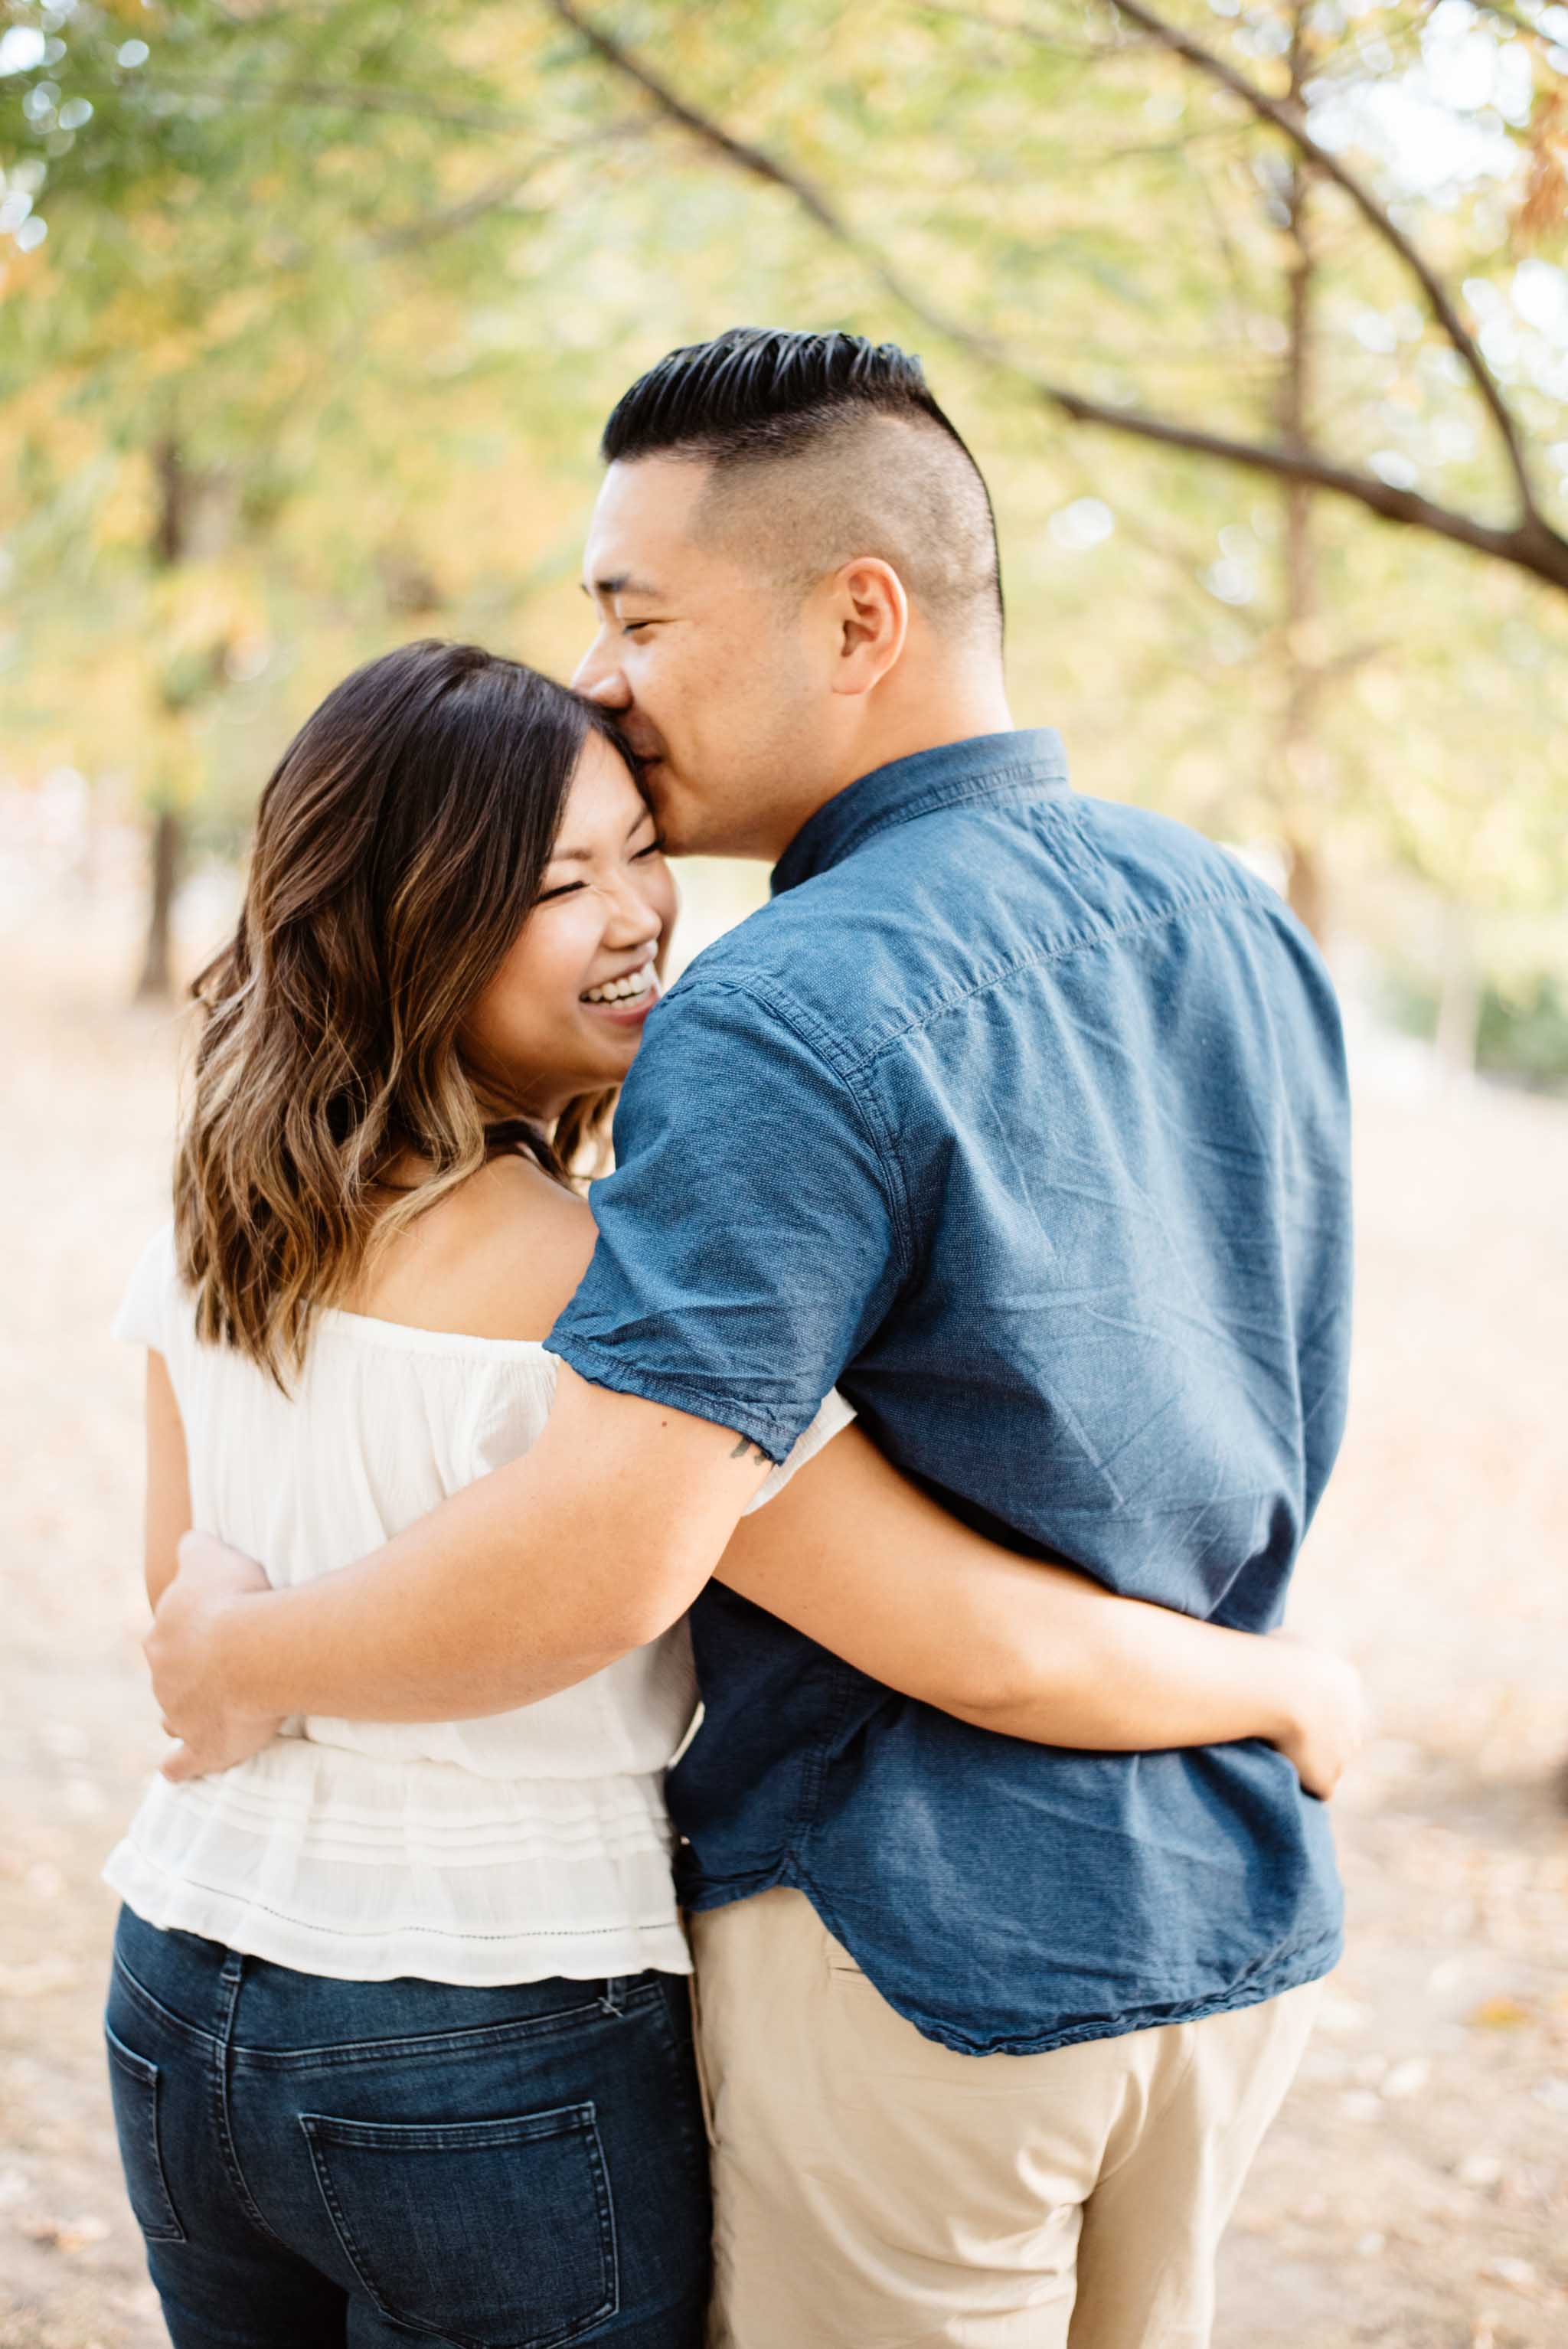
[585, 855]
[619, 582]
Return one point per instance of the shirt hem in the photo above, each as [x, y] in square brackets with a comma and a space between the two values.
[1290, 1967]
[588, 1953]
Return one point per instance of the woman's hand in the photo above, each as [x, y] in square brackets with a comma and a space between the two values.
[183, 1650]
[1327, 1716]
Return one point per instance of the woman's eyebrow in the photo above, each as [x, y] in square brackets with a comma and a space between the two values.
[585, 855]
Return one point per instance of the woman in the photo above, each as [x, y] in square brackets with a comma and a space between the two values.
[397, 2034]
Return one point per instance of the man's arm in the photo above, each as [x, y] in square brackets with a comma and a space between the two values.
[528, 1580]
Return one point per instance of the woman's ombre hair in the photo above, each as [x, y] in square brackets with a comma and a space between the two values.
[398, 851]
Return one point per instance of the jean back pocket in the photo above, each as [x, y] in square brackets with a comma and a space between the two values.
[133, 2086]
[492, 2234]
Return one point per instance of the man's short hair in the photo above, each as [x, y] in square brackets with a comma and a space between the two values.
[824, 446]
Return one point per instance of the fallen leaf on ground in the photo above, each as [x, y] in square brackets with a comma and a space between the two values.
[1499, 2015]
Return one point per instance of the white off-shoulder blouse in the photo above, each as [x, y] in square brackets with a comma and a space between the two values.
[507, 1849]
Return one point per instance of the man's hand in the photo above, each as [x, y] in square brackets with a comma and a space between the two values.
[1329, 1715]
[183, 1650]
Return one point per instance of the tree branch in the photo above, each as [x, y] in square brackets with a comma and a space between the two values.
[758, 164]
[1083, 52]
[1531, 546]
[350, 98]
[750, 159]
[1289, 120]
[411, 236]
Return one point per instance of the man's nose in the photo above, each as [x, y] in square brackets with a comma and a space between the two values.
[598, 677]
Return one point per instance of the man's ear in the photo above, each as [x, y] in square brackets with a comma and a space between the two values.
[871, 611]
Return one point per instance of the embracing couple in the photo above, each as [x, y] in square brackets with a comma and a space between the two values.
[939, 1388]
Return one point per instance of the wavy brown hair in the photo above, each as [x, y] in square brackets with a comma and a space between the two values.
[398, 850]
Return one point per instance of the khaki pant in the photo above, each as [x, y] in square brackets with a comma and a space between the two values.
[874, 2190]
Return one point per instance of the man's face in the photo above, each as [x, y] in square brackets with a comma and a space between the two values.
[722, 676]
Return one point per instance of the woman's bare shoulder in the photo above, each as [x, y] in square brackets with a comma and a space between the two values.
[497, 1258]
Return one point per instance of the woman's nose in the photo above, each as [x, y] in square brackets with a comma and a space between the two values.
[632, 920]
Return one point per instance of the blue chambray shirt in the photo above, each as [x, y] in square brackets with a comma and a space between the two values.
[1022, 1118]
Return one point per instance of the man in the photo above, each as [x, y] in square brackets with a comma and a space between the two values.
[1020, 1117]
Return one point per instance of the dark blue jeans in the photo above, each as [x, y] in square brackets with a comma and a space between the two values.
[338, 2165]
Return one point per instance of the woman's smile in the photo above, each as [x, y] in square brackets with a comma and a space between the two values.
[562, 1014]
[626, 1000]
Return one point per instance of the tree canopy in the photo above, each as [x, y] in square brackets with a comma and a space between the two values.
[308, 317]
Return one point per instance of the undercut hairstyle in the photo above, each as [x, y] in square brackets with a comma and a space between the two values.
[822, 448]
[399, 849]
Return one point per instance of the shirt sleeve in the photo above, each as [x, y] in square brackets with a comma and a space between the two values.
[143, 1316]
[831, 1420]
[748, 1247]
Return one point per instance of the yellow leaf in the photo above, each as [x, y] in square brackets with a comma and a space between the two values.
[1499, 2015]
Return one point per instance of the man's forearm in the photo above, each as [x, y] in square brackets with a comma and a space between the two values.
[520, 1585]
[426, 1657]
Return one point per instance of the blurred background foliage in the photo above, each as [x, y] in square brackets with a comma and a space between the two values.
[1255, 314]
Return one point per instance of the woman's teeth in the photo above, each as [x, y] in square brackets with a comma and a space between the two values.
[623, 991]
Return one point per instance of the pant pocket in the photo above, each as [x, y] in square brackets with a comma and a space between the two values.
[133, 2086]
[493, 2234]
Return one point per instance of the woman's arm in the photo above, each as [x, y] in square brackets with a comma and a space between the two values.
[168, 1480]
[863, 1561]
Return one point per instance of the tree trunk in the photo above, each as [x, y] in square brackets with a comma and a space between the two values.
[157, 981]
[1299, 780]
[166, 854]
[1305, 887]
[170, 527]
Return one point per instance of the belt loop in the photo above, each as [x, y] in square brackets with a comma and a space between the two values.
[613, 1997]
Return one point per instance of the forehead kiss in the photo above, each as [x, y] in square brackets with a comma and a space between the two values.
[775, 525]
[650, 568]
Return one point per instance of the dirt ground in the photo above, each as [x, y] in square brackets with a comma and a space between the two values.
[1415, 2192]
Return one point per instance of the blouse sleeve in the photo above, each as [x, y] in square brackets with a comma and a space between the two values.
[143, 1318]
[831, 1419]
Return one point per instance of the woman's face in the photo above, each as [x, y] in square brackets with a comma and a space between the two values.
[563, 1015]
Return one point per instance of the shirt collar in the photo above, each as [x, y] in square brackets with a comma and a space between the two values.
[1025, 764]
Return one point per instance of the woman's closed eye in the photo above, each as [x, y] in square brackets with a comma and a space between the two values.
[655, 847]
